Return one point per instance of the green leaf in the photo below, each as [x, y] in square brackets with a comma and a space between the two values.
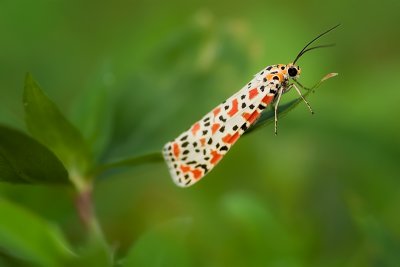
[48, 125]
[24, 160]
[268, 117]
[161, 246]
[25, 236]
[154, 157]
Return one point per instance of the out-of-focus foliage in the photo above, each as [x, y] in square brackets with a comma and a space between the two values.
[47, 124]
[129, 76]
[25, 236]
[24, 160]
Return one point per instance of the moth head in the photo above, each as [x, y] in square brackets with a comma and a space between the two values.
[293, 70]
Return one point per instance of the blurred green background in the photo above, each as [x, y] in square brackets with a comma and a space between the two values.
[134, 74]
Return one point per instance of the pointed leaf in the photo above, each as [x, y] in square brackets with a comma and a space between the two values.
[28, 237]
[24, 160]
[48, 125]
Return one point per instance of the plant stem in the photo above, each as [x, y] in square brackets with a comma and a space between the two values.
[86, 212]
[96, 246]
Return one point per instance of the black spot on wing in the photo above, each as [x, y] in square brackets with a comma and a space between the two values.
[185, 144]
[223, 148]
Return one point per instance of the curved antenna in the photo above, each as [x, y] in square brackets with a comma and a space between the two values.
[314, 47]
[312, 41]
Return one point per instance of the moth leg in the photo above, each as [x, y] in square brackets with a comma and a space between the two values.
[287, 89]
[302, 97]
[280, 92]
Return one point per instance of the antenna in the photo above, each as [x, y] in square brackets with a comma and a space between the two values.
[304, 50]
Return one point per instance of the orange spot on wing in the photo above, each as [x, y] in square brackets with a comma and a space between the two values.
[176, 150]
[214, 128]
[253, 93]
[185, 168]
[234, 108]
[226, 138]
[195, 128]
[253, 117]
[230, 139]
[197, 173]
[216, 111]
[267, 99]
[246, 116]
[234, 138]
[202, 141]
[215, 157]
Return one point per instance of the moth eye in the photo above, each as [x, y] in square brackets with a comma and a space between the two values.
[292, 72]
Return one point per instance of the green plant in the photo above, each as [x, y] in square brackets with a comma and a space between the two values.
[56, 153]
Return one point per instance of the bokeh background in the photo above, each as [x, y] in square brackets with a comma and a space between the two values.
[134, 74]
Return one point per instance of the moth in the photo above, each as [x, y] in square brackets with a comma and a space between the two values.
[195, 152]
